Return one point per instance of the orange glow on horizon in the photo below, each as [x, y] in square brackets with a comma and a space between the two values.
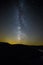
[25, 42]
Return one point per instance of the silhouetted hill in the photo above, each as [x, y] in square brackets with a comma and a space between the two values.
[4, 44]
[21, 53]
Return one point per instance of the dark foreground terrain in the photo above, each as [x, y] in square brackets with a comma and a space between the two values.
[21, 54]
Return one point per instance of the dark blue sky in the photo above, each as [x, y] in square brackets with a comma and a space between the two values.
[32, 19]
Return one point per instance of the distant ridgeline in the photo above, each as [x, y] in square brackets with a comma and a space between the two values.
[21, 45]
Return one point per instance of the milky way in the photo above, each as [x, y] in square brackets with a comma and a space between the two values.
[21, 20]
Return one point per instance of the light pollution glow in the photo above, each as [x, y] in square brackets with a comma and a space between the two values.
[25, 42]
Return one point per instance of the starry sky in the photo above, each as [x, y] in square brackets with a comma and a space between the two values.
[21, 21]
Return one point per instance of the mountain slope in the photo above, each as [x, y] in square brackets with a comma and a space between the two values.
[22, 53]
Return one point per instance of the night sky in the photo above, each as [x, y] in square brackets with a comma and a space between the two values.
[21, 21]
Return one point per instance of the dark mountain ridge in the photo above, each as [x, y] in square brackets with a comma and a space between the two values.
[23, 53]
